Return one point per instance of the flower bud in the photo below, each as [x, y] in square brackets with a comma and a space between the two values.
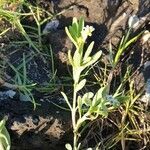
[133, 21]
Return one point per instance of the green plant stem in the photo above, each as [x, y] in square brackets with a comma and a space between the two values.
[75, 141]
[74, 118]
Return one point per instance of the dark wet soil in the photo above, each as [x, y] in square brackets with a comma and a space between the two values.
[43, 128]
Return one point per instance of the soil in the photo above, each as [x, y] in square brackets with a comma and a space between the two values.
[49, 127]
[45, 128]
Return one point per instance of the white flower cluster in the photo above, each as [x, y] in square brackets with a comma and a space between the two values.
[87, 31]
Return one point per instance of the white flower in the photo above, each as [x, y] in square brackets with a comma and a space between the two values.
[87, 31]
[133, 21]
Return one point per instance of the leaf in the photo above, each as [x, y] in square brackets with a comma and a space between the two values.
[124, 44]
[2, 124]
[80, 85]
[88, 95]
[119, 52]
[99, 95]
[87, 102]
[88, 51]
[74, 29]
[17, 76]
[18, 79]
[88, 59]
[4, 32]
[66, 99]
[126, 38]
[121, 42]
[93, 59]
[4, 136]
[77, 59]
[122, 99]
[68, 146]
[7, 138]
[132, 40]
[87, 98]
[70, 36]
[75, 25]
[102, 109]
[73, 33]
[76, 74]
[70, 58]
[111, 58]
[80, 26]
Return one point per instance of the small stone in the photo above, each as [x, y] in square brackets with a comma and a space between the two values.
[51, 26]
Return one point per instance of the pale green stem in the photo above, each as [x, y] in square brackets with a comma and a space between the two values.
[74, 118]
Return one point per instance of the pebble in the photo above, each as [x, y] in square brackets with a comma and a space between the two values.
[7, 94]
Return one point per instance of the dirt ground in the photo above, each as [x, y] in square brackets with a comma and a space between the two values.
[49, 127]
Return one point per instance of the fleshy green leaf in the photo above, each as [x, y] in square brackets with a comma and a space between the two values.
[76, 73]
[99, 95]
[81, 25]
[87, 98]
[77, 59]
[93, 59]
[73, 33]
[88, 51]
[87, 60]
[70, 36]
[75, 26]
[75, 29]
[80, 85]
